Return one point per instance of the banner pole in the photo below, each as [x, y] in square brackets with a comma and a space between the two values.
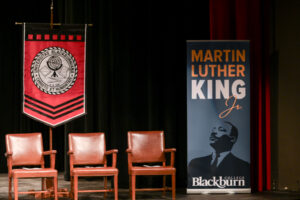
[49, 182]
[51, 27]
[54, 24]
[51, 15]
[63, 192]
[50, 139]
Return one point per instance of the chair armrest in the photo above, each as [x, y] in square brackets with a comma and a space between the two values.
[128, 150]
[113, 152]
[49, 152]
[52, 154]
[129, 159]
[8, 154]
[71, 155]
[172, 151]
[9, 163]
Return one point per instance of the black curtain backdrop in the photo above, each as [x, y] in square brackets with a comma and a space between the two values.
[136, 72]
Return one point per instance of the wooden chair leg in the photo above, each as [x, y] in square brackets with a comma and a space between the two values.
[105, 186]
[75, 187]
[164, 185]
[116, 186]
[71, 193]
[55, 187]
[15, 188]
[173, 187]
[43, 184]
[43, 187]
[133, 187]
[9, 188]
[130, 195]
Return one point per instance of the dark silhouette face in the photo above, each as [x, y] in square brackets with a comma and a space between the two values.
[220, 137]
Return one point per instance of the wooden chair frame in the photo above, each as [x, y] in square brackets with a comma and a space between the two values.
[16, 174]
[86, 173]
[164, 170]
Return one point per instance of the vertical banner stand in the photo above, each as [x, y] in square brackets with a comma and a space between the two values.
[48, 183]
[63, 192]
[50, 139]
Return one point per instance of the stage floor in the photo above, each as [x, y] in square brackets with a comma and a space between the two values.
[29, 184]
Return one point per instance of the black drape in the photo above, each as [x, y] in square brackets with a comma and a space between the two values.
[136, 72]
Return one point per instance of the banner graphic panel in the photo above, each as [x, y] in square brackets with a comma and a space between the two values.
[218, 116]
[54, 72]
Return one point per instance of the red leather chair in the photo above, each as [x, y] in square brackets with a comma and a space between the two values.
[90, 149]
[27, 150]
[149, 147]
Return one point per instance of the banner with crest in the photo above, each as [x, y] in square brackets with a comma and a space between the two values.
[54, 72]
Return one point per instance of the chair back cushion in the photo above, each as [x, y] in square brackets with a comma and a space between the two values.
[26, 149]
[87, 148]
[146, 146]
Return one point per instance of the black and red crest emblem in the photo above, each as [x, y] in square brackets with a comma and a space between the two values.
[54, 72]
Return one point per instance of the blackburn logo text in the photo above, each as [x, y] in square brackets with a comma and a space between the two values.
[219, 182]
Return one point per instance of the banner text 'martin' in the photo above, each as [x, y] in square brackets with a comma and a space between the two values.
[218, 55]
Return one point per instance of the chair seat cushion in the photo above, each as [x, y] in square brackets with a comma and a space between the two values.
[95, 171]
[152, 170]
[35, 172]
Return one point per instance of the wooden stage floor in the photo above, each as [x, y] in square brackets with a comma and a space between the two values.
[29, 184]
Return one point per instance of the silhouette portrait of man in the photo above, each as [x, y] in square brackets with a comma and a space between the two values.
[221, 162]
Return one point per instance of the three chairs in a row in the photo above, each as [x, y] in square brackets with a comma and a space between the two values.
[88, 158]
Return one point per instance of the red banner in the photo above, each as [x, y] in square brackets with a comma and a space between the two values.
[54, 72]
